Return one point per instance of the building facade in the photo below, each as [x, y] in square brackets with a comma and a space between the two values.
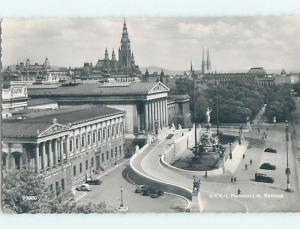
[257, 76]
[145, 104]
[179, 110]
[65, 145]
[14, 98]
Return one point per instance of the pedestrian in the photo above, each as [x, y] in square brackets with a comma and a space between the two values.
[239, 191]
[243, 156]
[234, 179]
[258, 130]
[246, 167]
[205, 174]
[250, 161]
[231, 179]
[267, 129]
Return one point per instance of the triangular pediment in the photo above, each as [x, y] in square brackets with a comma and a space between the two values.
[159, 87]
[54, 129]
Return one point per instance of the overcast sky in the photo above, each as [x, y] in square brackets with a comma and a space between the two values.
[235, 43]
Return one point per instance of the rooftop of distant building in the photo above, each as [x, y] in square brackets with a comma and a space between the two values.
[29, 124]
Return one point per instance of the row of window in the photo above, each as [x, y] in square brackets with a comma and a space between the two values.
[59, 187]
[80, 166]
[113, 153]
[97, 136]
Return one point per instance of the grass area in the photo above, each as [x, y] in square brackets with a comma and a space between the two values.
[226, 139]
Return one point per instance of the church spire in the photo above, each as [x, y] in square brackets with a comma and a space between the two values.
[125, 33]
[208, 62]
[106, 54]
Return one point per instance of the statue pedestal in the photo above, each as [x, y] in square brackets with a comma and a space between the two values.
[196, 202]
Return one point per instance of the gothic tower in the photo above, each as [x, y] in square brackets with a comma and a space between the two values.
[125, 51]
[114, 66]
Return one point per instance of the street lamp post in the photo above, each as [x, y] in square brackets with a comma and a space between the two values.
[121, 204]
[287, 171]
[122, 207]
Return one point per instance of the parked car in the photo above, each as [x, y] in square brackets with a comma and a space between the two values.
[146, 190]
[170, 136]
[93, 181]
[260, 177]
[156, 193]
[270, 150]
[140, 188]
[267, 166]
[84, 187]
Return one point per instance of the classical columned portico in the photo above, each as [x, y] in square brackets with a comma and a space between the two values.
[155, 114]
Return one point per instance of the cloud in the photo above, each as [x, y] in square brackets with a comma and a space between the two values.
[235, 42]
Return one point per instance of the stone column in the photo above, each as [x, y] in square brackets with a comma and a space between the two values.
[161, 114]
[55, 151]
[61, 149]
[157, 112]
[146, 116]
[166, 112]
[37, 158]
[68, 147]
[44, 157]
[150, 115]
[50, 154]
[153, 115]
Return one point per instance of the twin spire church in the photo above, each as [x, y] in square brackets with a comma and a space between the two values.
[206, 64]
[125, 64]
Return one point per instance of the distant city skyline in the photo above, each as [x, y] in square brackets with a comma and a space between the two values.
[235, 43]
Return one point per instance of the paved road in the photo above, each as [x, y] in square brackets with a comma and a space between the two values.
[109, 191]
[218, 194]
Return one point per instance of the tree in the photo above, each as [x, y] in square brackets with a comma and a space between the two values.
[296, 88]
[238, 100]
[24, 191]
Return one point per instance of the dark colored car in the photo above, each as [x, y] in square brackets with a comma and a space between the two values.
[260, 177]
[170, 136]
[270, 150]
[267, 166]
[156, 193]
[93, 181]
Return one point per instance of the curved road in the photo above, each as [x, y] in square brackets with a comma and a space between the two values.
[218, 194]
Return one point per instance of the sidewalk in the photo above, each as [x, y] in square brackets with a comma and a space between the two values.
[231, 165]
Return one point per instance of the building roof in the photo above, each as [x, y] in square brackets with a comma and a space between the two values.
[40, 101]
[258, 70]
[180, 97]
[140, 88]
[35, 122]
